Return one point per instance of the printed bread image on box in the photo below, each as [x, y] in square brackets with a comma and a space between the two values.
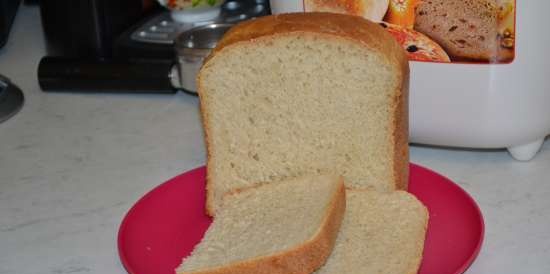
[370, 9]
[419, 47]
[465, 31]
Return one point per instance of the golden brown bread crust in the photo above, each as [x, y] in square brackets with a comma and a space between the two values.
[355, 28]
[348, 27]
[401, 137]
[209, 206]
[304, 259]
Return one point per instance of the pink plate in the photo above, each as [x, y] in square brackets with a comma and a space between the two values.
[164, 225]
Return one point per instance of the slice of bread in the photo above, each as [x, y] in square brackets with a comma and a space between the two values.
[306, 93]
[381, 233]
[280, 228]
[467, 29]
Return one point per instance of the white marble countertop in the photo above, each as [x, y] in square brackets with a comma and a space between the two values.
[71, 165]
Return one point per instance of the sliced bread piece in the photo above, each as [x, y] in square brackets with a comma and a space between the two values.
[297, 94]
[280, 228]
[381, 233]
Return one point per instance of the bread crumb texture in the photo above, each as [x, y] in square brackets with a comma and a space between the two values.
[264, 221]
[293, 103]
[381, 233]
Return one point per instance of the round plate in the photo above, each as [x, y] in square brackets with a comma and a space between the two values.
[165, 225]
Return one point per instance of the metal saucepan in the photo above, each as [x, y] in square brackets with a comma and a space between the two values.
[192, 47]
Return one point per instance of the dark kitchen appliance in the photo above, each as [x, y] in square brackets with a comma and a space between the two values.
[11, 99]
[125, 28]
[8, 8]
[87, 28]
[138, 75]
[121, 46]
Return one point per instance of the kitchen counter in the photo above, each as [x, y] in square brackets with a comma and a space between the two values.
[72, 164]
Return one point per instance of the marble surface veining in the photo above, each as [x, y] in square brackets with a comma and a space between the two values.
[71, 165]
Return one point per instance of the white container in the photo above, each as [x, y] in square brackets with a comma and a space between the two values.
[484, 105]
[489, 106]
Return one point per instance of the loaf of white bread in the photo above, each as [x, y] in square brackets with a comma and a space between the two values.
[300, 94]
[280, 228]
[284, 100]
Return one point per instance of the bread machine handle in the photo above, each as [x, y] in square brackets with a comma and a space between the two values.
[140, 76]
